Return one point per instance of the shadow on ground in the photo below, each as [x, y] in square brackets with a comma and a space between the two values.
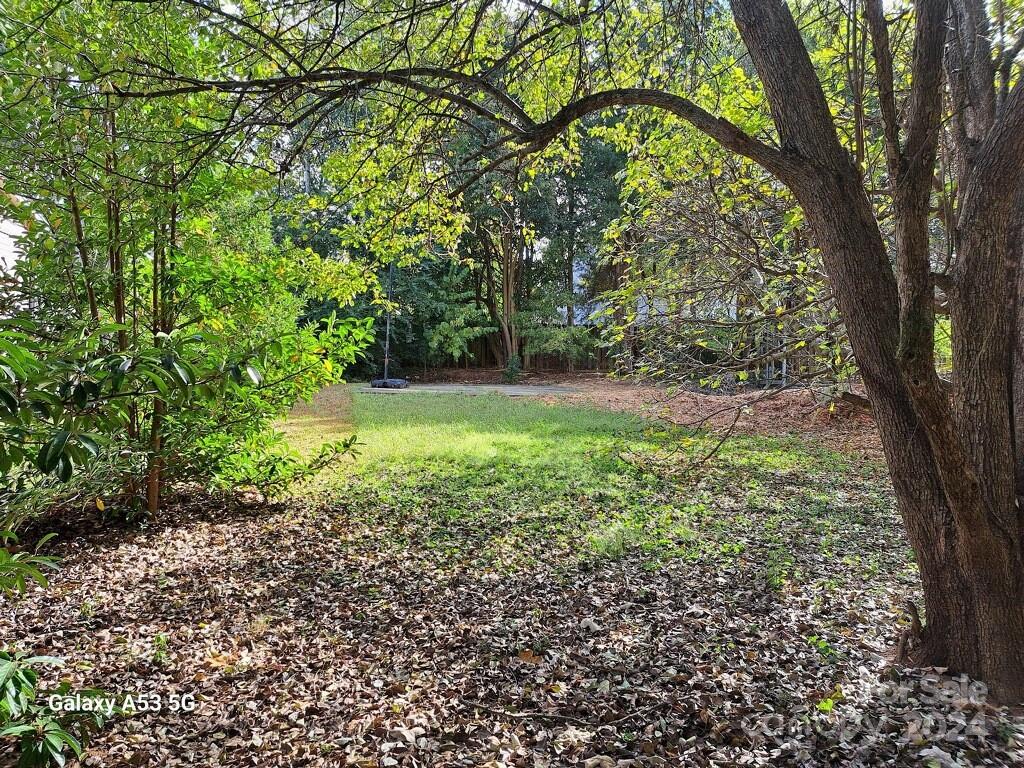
[547, 609]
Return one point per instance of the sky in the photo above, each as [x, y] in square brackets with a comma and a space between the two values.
[7, 233]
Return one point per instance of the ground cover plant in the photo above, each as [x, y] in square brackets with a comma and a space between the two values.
[499, 581]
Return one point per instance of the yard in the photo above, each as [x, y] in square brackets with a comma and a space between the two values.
[500, 581]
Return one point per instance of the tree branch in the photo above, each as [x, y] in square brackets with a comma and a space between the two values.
[728, 134]
[886, 92]
[413, 77]
[522, 129]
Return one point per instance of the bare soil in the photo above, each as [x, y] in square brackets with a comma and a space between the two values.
[798, 411]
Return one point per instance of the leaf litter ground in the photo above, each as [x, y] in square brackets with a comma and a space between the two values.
[510, 583]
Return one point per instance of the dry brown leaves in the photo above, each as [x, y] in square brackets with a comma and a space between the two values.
[310, 639]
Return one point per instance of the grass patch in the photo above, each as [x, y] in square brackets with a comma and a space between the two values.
[488, 429]
[328, 418]
[501, 483]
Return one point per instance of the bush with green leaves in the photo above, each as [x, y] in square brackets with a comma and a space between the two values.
[87, 411]
[513, 369]
[18, 568]
[576, 344]
[451, 318]
[43, 734]
[69, 416]
[269, 463]
[153, 310]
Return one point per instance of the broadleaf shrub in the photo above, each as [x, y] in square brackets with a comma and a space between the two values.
[45, 736]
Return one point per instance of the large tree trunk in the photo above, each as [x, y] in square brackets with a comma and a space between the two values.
[956, 619]
[953, 467]
[1018, 374]
[962, 522]
[984, 318]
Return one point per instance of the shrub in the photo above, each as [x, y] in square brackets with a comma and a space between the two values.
[44, 735]
[19, 568]
[513, 369]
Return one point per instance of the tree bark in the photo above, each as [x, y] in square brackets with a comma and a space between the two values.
[511, 254]
[1018, 374]
[115, 248]
[953, 469]
[163, 321]
[83, 252]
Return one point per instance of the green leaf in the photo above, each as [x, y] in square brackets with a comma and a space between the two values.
[64, 468]
[8, 400]
[52, 452]
[17, 730]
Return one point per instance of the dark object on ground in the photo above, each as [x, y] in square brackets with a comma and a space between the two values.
[389, 383]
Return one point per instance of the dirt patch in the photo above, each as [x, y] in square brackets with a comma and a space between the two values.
[797, 412]
[800, 412]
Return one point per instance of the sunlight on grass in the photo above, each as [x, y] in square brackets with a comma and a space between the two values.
[482, 428]
[504, 481]
[327, 418]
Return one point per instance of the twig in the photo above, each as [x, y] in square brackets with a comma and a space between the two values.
[563, 718]
[525, 715]
[638, 713]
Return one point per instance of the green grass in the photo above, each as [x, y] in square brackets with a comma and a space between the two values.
[494, 478]
[485, 429]
[503, 482]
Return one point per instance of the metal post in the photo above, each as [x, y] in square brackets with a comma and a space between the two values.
[387, 321]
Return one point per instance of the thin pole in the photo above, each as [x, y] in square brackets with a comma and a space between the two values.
[387, 322]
